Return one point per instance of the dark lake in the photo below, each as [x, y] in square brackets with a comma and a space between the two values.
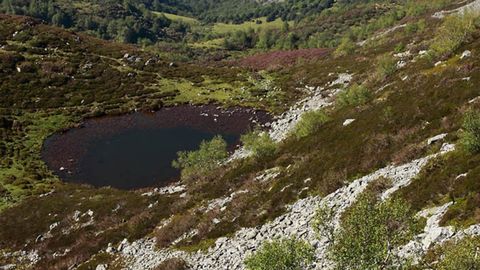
[136, 150]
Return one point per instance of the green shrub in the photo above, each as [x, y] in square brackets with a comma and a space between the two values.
[310, 123]
[370, 232]
[470, 136]
[461, 255]
[415, 27]
[399, 48]
[284, 254]
[322, 222]
[346, 47]
[207, 157]
[259, 143]
[354, 95]
[386, 66]
[455, 31]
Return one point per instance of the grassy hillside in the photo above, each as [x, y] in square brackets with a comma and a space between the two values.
[174, 17]
[413, 77]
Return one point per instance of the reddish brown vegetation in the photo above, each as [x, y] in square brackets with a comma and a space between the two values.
[278, 59]
[172, 264]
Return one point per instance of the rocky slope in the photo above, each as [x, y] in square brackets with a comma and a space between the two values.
[400, 125]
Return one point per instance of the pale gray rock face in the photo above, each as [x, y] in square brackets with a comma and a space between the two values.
[229, 253]
[471, 7]
[466, 54]
[437, 138]
[172, 189]
[101, 267]
[318, 98]
[348, 122]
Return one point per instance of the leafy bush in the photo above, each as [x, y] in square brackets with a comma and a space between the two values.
[370, 232]
[310, 123]
[207, 157]
[470, 136]
[322, 222]
[259, 143]
[455, 31]
[240, 40]
[346, 47]
[386, 66]
[461, 255]
[354, 95]
[284, 254]
[415, 27]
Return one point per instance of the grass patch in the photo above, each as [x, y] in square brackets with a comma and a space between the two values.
[175, 17]
[202, 245]
[225, 28]
[470, 135]
[22, 173]
[455, 31]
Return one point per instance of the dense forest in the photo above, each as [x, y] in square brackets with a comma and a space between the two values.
[126, 21]
[143, 21]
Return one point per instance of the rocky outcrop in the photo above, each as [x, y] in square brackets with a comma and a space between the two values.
[229, 253]
[319, 98]
[471, 7]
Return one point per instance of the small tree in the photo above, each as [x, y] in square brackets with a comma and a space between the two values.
[470, 136]
[346, 47]
[259, 143]
[207, 157]
[323, 222]
[464, 254]
[354, 95]
[370, 232]
[386, 66]
[284, 254]
[309, 123]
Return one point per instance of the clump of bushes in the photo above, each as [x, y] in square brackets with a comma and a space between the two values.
[259, 143]
[415, 27]
[283, 254]
[386, 66]
[470, 136]
[310, 123]
[354, 95]
[461, 255]
[370, 232]
[346, 47]
[207, 157]
[455, 31]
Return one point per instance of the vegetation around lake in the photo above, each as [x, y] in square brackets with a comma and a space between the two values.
[209, 156]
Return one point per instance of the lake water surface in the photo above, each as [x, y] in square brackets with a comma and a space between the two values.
[136, 150]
